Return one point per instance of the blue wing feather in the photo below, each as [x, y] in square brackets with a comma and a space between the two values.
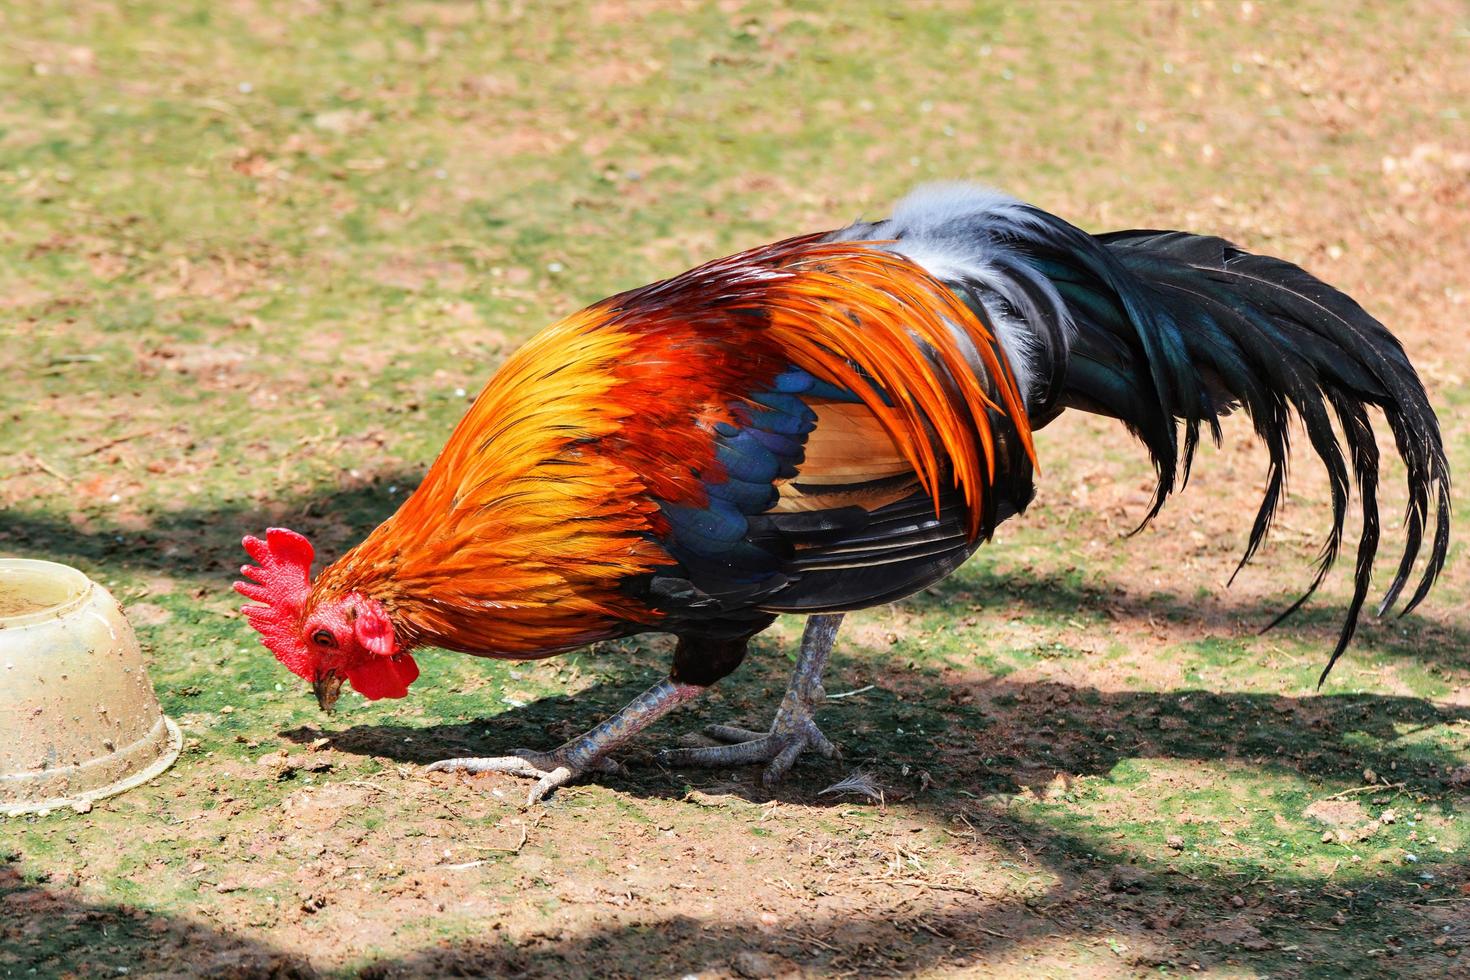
[714, 543]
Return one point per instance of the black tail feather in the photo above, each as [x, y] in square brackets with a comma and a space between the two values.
[1174, 328]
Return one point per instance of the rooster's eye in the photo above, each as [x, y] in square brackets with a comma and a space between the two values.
[324, 638]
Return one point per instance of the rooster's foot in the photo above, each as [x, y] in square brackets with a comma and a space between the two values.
[586, 753]
[793, 731]
[788, 738]
[551, 770]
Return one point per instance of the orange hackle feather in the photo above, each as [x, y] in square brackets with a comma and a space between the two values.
[515, 540]
[851, 316]
[545, 500]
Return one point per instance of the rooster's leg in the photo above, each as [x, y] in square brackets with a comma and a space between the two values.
[793, 731]
[585, 753]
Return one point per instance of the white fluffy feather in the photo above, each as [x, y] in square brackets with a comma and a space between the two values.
[959, 232]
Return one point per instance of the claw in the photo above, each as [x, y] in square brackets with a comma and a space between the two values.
[558, 777]
[792, 733]
[547, 768]
[779, 748]
[584, 754]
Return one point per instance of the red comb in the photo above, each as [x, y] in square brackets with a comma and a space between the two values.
[281, 582]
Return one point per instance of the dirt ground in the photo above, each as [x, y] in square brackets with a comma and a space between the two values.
[255, 258]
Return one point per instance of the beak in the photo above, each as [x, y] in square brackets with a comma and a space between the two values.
[328, 688]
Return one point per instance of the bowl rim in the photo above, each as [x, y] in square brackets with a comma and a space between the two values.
[81, 590]
[172, 746]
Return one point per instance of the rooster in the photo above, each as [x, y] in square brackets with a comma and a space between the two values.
[824, 424]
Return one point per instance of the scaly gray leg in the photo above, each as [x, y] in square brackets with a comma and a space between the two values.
[792, 732]
[587, 752]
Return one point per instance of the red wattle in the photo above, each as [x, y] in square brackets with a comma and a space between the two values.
[383, 677]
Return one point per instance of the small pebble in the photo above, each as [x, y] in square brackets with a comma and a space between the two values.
[754, 965]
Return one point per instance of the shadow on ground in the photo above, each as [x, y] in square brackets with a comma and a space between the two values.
[1101, 892]
[988, 741]
[1019, 737]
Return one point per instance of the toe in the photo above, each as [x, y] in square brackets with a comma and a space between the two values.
[783, 762]
[554, 779]
[756, 750]
[466, 765]
[732, 733]
[816, 740]
[514, 764]
[550, 769]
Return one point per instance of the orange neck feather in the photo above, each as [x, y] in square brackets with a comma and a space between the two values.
[514, 543]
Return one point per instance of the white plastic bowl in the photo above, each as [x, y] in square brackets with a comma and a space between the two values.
[78, 717]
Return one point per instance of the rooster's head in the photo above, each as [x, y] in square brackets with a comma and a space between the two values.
[325, 639]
